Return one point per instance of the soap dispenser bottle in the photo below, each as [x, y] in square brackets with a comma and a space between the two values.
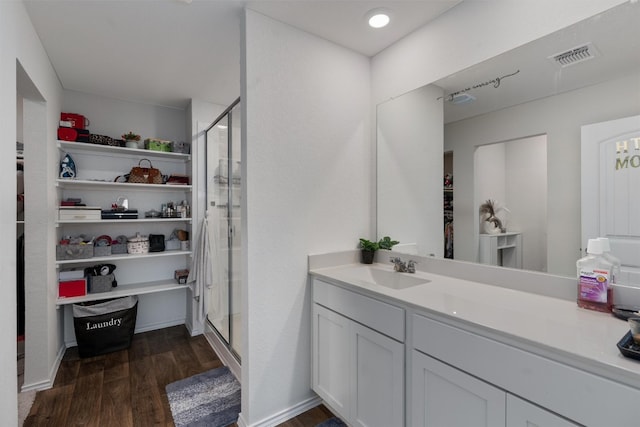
[594, 278]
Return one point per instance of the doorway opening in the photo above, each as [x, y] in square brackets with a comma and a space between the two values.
[513, 174]
[448, 204]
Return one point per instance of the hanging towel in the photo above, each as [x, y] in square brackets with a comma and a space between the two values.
[206, 276]
[201, 272]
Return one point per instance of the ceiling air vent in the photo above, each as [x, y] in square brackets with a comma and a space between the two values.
[575, 55]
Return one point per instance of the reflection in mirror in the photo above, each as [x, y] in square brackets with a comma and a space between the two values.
[404, 201]
[548, 96]
[513, 174]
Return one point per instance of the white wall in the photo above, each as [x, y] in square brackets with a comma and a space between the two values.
[307, 164]
[560, 117]
[526, 197]
[19, 42]
[114, 117]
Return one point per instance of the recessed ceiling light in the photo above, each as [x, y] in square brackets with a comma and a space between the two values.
[378, 18]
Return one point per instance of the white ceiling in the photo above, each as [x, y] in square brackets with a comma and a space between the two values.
[165, 52]
[614, 33]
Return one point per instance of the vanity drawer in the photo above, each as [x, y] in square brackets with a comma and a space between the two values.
[380, 316]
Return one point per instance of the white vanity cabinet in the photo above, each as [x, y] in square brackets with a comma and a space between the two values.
[445, 396]
[358, 356]
[521, 413]
[479, 372]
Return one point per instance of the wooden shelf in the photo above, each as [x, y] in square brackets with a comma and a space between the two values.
[88, 147]
[122, 257]
[125, 290]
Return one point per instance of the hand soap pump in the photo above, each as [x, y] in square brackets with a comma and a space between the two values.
[594, 278]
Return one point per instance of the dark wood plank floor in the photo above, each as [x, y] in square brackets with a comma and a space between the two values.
[127, 388]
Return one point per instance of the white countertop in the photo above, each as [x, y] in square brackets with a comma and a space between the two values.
[551, 327]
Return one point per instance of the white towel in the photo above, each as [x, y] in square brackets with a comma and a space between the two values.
[201, 272]
[206, 277]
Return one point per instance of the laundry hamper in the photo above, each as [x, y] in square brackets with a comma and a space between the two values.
[105, 326]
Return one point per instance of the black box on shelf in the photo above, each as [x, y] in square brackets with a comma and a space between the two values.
[120, 214]
[181, 276]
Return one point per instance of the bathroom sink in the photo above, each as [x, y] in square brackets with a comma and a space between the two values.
[381, 277]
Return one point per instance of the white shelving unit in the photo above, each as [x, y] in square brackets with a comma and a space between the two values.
[101, 185]
[121, 151]
[130, 289]
[125, 221]
[97, 166]
[109, 258]
[504, 249]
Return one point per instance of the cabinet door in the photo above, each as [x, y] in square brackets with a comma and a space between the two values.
[377, 379]
[331, 358]
[521, 413]
[445, 396]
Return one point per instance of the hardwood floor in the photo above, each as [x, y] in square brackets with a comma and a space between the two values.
[127, 388]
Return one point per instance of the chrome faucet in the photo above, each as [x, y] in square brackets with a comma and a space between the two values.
[402, 267]
[398, 265]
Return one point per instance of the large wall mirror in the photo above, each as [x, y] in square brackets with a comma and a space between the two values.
[511, 128]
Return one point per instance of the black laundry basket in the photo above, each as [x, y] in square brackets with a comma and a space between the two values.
[105, 327]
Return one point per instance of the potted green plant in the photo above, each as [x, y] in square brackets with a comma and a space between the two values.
[369, 248]
[131, 139]
[387, 243]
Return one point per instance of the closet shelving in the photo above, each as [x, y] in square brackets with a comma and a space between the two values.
[97, 185]
[98, 165]
[121, 291]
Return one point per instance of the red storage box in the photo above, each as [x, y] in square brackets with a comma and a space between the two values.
[72, 288]
[78, 121]
[73, 134]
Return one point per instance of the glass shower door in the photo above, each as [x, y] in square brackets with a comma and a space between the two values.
[223, 209]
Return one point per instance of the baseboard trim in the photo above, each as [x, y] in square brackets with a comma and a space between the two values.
[284, 415]
[48, 383]
[194, 330]
[241, 422]
[160, 325]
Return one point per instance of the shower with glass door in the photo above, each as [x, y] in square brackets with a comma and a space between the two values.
[223, 197]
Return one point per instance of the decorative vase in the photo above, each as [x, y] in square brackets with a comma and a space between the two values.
[367, 256]
[131, 143]
[491, 228]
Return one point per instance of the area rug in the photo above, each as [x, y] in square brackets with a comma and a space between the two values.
[210, 399]
[332, 422]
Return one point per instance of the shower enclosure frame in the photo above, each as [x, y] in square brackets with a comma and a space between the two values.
[231, 233]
